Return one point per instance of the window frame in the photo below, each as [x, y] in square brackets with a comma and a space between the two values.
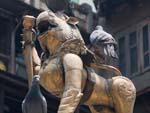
[124, 53]
[124, 33]
[4, 14]
[129, 50]
[146, 22]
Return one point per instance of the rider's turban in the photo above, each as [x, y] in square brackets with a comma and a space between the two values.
[101, 38]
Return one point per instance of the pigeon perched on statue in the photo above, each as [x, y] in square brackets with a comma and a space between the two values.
[34, 101]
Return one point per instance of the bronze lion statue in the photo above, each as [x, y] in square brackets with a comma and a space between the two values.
[65, 73]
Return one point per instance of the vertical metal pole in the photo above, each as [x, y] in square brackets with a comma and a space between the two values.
[28, 24]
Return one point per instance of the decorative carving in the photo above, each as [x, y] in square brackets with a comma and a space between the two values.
[126, 89]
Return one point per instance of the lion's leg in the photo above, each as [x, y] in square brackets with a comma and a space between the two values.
[73, 78]
[123, 94]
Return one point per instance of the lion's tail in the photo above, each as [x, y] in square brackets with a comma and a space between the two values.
[107, 67]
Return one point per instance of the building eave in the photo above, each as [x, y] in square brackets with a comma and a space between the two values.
[21, 8]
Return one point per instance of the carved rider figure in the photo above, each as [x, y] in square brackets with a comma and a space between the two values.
[103, 45]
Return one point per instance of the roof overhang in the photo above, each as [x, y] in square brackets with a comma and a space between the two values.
[18, 7]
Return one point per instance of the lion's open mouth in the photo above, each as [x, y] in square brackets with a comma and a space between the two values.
[45, 26]
[52, 25]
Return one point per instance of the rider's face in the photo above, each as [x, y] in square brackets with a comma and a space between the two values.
[99, 50]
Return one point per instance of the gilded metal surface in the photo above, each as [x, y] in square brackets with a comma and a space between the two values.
[51, 76]
[65, 75]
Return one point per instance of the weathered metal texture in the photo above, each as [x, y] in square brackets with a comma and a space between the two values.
[28, 24]
[64, 74]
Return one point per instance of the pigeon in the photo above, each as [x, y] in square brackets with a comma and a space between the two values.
[34, 101]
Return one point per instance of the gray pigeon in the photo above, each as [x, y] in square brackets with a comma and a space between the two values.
[34, 101]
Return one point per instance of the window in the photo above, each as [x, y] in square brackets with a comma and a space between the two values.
[122, 56]
[146, 51]
[134, 48]
[133, 52]
[5, 43]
